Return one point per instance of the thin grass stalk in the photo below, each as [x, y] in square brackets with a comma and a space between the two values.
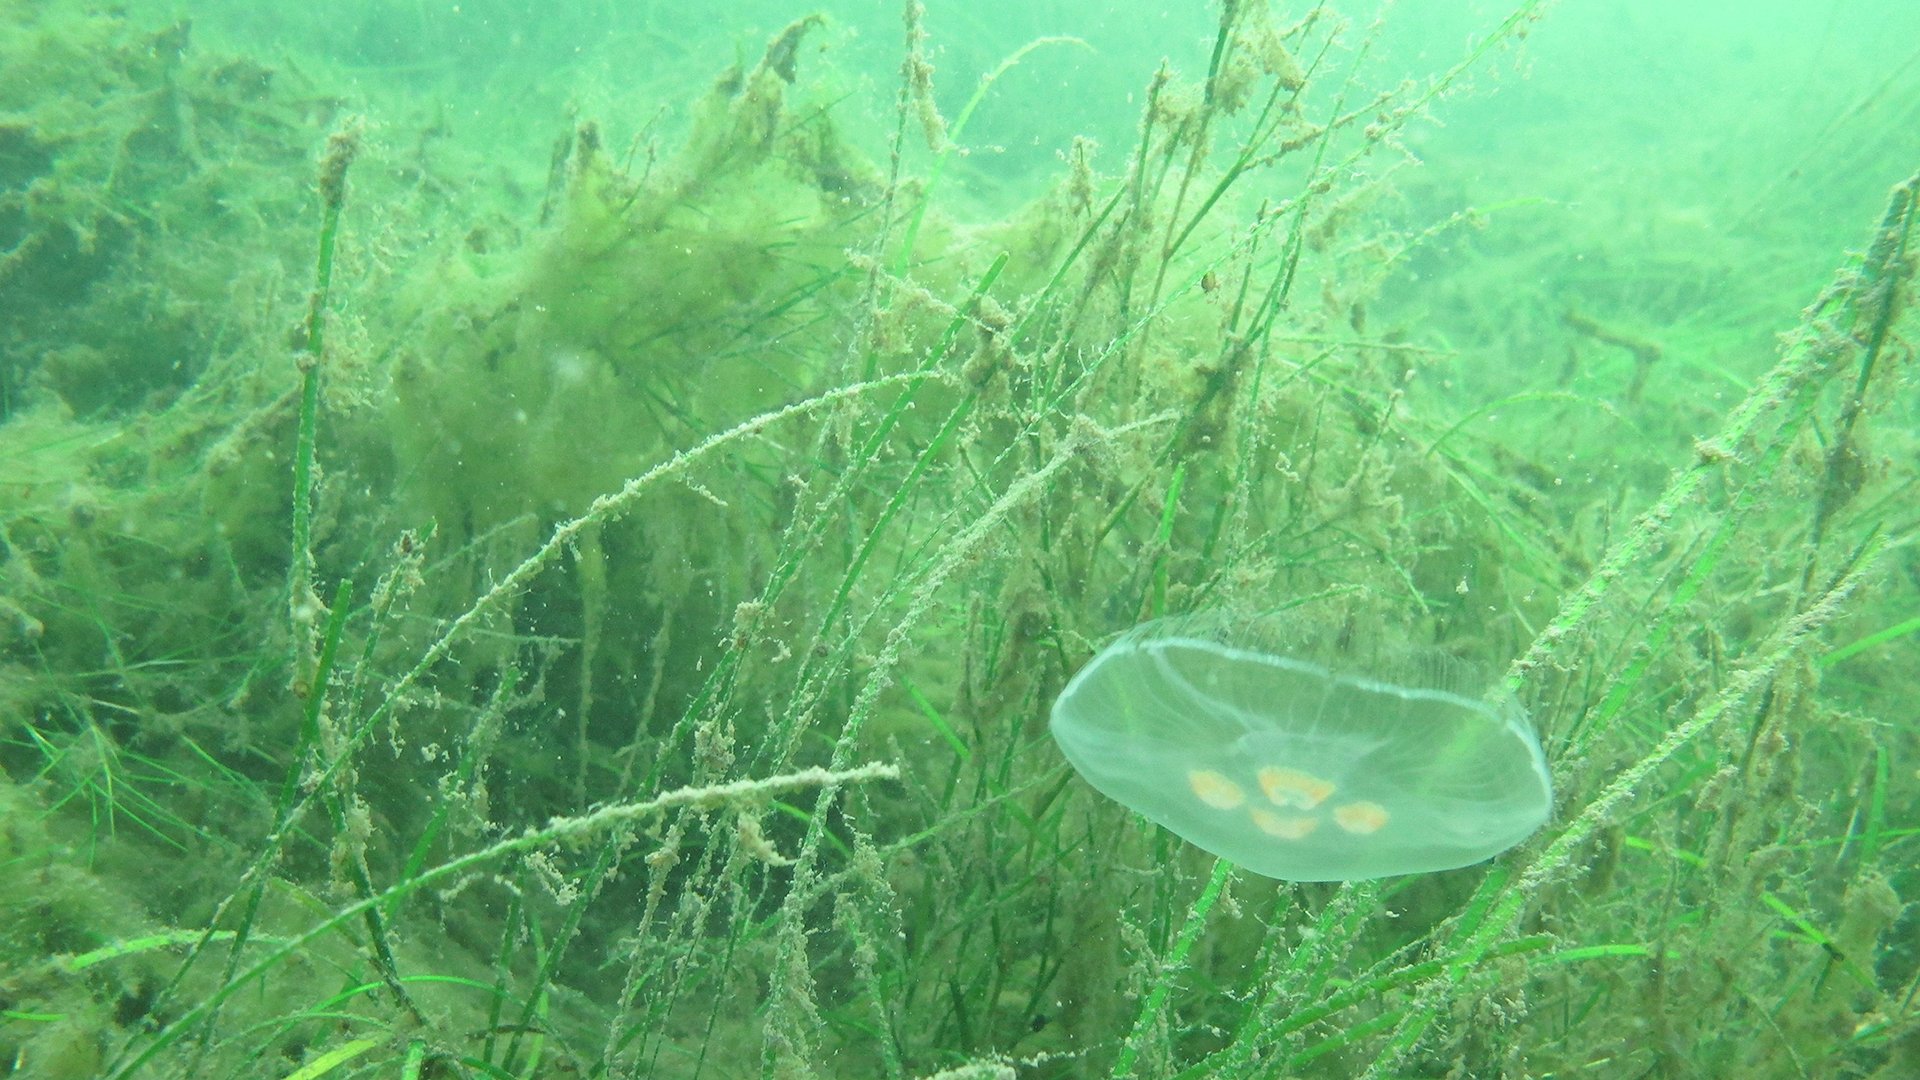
[741, 794]
[1809, 359]
[790, 986]
[1876, 300]
[1876, 293]
[1473, 948]
[603, 508]
[303, 604]
[314, 646]
[1153, 1009]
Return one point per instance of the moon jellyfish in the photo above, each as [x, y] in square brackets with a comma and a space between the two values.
[1303, 771]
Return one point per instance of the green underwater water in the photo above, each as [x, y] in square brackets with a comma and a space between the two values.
[540, 541]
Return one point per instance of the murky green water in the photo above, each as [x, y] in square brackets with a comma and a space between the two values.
[543, 542]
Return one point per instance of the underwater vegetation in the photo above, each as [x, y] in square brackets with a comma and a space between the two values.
[647, 623]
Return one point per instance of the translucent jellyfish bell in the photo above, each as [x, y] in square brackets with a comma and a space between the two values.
[1299, 770]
